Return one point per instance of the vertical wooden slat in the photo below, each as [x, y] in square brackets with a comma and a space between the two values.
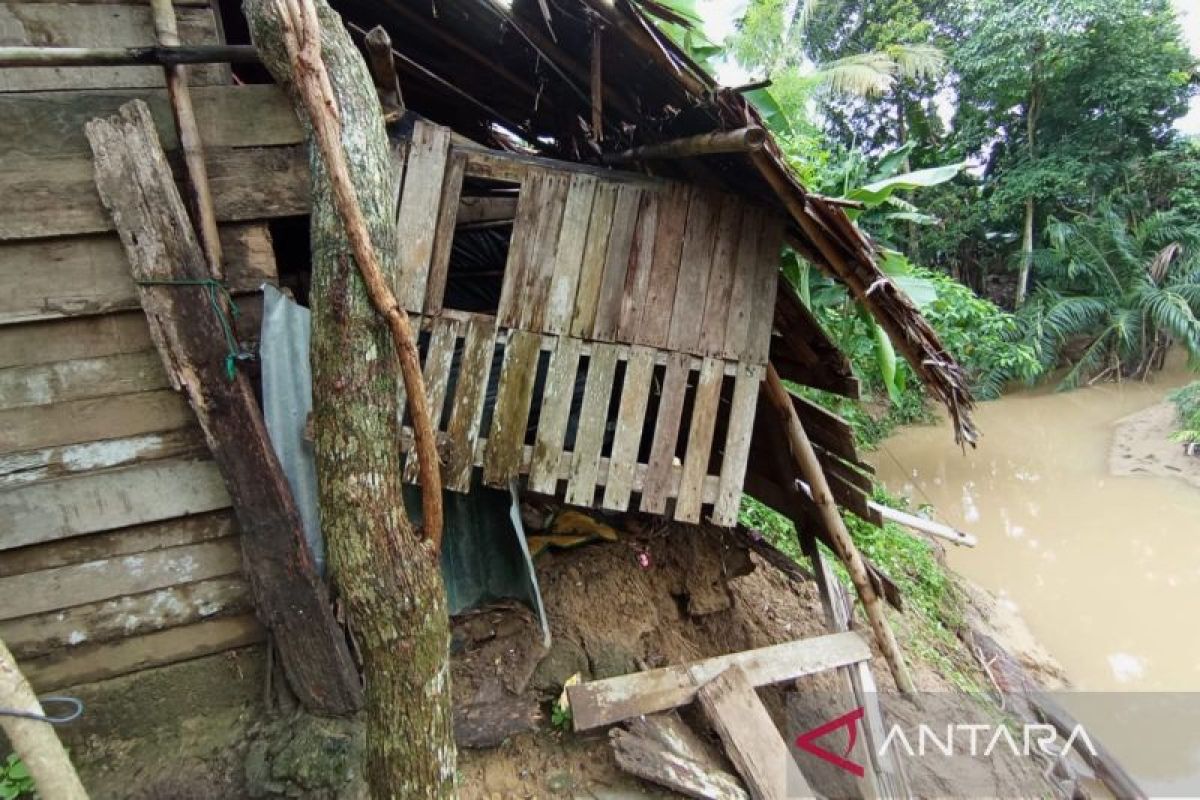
[470, 394]
[585, 465]
[506, 439]
[443, 238]
[556, 409]
[737, 444]
[655, 324]
[704, 423]
[616, 263]
[524, 223]
[766, 283]
[641, 259]
[437, 378]
[592, 269]
[543, 249]
[741, 296]
[631, 416]
[658, 484]
[418, 216]
[568, 259]
[695, 263]
[721, 276]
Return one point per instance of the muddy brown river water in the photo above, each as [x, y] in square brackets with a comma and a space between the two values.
[1106, 570]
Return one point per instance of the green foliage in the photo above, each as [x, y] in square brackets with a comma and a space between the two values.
[15, 780]
[1187, 412]
[1117, 294]
[560, 717]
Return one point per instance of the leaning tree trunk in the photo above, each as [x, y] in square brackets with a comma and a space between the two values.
[388, 577]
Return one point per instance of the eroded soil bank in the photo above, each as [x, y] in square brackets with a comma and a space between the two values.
[658, 596]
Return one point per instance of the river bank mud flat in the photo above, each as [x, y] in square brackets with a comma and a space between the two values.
[1142, 446]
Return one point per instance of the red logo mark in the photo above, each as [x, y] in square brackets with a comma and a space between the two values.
[807, 741]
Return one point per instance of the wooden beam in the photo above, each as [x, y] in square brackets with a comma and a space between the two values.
[751, 740]
[126, 56]
[616, 699]
[810, 470]
[741, 140]
[136, 186]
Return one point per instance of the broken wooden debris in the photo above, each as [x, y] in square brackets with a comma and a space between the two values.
[750, 737]
[654, 761]
[615, 699]
[136, 185]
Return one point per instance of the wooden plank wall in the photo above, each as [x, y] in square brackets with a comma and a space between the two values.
[655, 297]
[118, 550]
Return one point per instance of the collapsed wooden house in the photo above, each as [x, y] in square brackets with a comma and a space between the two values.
[599, 305]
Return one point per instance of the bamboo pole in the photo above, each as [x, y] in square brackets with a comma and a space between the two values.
[167, 33]
[158, 56]
[806, 460]
[34, 740]
[741, 140]
[302, 38]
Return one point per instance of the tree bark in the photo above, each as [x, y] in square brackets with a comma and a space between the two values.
[389, 578]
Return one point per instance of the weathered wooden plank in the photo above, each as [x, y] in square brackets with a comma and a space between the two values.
[641, 260]
[700, 439]
[721, 277]
[655, 326]
[751, 739]
[125, 541]
[80, 275]
[449, 213]
[470, 394]
[484, 208]
[615, 699]
[616, 263]
[64, 340]
[631, 417]
[57, 197]
[119, 617]
[63, 587]
[660, 484]
[568, 260]
[556, 409]
[742, 302]
[96, 662]
[539, 271]
[505, 442]
[417, 220]
[437, 377]
[91, 25]
[654, 761]
[34, 427]
[591, 271]
[52, 463]
[529, 202]
[695, 264]
[593, 421]
[50, 124]
[766, 282]
[737, 444]
[44, 512]
[135, 182]
[79, 379]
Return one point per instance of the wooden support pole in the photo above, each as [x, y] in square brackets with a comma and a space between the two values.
[741, 140]
[383, 72]
[302, 37]
[126, 56]
[167, 32]
[810, 469]
[33, 740]
[181, 303]
[597, 81]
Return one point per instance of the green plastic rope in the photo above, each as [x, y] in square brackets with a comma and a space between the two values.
[216, 290]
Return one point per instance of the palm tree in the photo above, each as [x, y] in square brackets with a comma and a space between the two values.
[1124, 292]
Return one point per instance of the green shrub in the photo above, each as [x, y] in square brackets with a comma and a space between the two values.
[15, 780]
[1187, 409]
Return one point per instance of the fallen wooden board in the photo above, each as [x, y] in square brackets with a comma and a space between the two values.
[751, 739]
[609, 701]
[652, 761]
